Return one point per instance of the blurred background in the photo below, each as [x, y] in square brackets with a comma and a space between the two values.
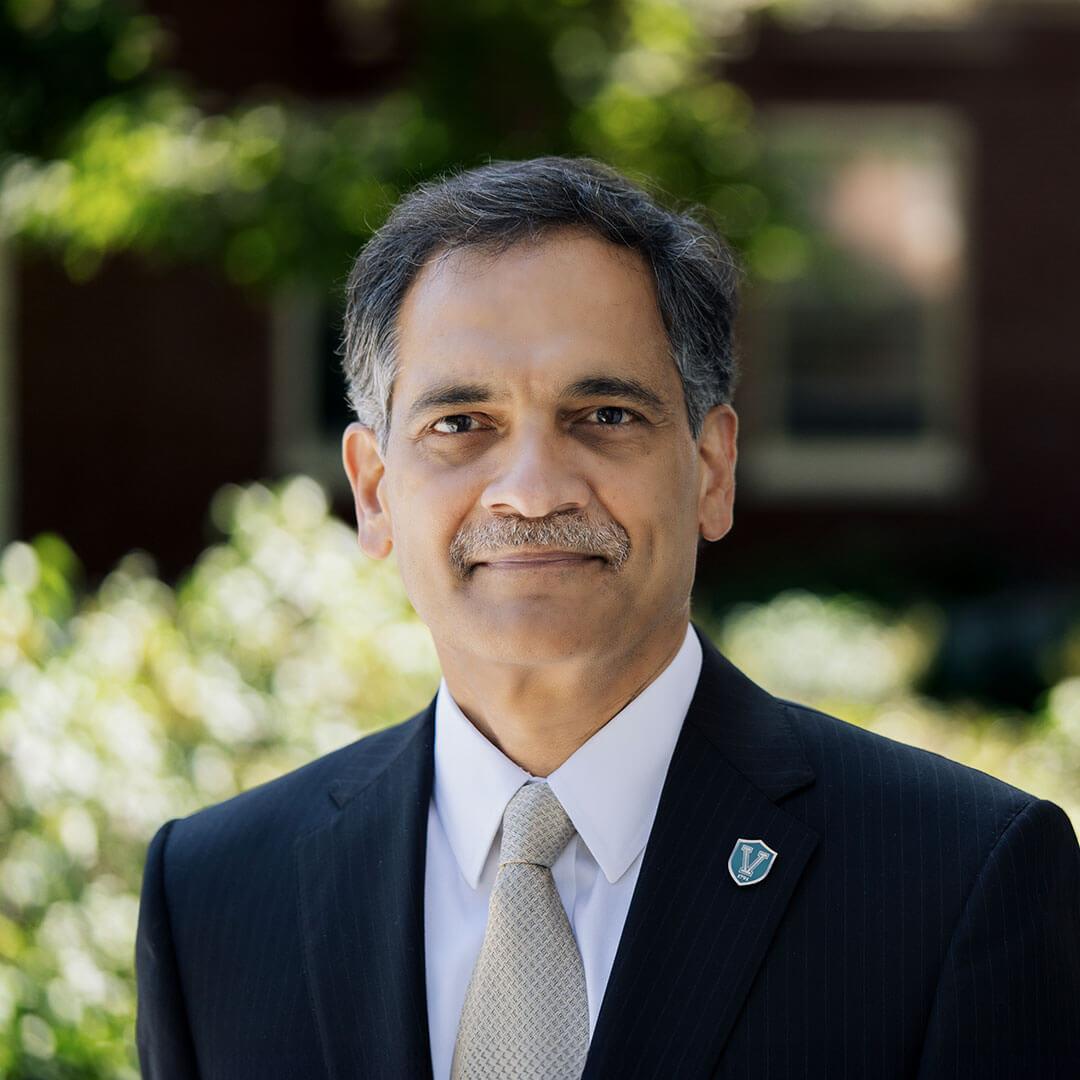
[183, 185]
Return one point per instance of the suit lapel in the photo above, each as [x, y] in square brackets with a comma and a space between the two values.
[361, 886]
[693, 939]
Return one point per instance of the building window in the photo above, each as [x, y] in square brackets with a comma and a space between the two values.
[854, 337]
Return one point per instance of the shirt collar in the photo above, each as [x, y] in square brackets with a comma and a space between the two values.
[610, 786]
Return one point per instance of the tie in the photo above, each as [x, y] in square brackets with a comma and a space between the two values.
[526, 1012]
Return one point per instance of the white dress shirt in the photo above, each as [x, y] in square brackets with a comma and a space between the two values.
[610, 788]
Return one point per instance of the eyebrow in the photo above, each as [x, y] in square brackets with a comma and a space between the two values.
[474, 393]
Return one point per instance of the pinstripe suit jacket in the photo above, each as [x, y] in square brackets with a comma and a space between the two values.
[920, 920]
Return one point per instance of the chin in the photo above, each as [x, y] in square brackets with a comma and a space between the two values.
[535, 636]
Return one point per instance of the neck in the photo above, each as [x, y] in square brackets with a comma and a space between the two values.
[539, 715]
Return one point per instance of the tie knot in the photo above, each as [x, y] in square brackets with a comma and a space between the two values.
[535, 827]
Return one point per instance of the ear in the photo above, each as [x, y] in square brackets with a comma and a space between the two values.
[364, 467]
[717, 448]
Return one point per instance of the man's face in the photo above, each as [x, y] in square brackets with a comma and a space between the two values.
[537, 410]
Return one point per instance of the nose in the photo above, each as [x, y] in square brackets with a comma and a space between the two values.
[538, 474]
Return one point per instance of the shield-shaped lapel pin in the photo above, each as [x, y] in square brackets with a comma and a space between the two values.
[750, 862]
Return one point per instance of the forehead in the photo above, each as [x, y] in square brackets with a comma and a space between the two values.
[535, 315]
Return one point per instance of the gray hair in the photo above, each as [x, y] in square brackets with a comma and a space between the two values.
[502, 203]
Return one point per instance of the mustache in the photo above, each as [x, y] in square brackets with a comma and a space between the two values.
[567, 532]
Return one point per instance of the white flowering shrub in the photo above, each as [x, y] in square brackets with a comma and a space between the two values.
[808, 648]
[139, 703]
[845, 656]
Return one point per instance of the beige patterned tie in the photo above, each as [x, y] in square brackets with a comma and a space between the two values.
[526, 1012]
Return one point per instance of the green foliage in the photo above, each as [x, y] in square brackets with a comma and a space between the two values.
[275, 189]
[59, 56]
[137, 703]
[266, 192]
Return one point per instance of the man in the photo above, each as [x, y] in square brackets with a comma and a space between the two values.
[600, 850]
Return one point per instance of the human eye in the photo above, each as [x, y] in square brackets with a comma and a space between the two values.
[627, 413]
[454, 419]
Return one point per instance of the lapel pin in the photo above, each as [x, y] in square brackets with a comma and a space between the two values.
[750, 861]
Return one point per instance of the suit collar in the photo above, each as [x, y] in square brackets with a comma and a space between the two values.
[360, 877]
[751, 728]
[692, 941]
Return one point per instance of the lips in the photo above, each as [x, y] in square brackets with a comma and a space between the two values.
[552, 558]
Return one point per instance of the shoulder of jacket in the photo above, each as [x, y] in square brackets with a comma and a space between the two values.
[279, 809]
[907, 772]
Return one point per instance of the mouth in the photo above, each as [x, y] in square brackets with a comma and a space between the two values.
[554, 561]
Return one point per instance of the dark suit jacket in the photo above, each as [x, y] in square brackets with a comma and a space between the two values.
[920, 919]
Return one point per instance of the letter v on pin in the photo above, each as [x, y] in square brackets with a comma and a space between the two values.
[750, 861]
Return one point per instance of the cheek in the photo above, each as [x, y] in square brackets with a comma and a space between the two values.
[431, 506]
[657, 493]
